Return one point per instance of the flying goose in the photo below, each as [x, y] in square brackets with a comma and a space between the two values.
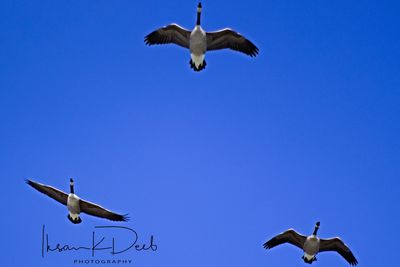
[76, 205]
[198, 41]
[311, 245]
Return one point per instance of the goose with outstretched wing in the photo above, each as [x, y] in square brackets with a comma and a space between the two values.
[75, 204]
[312, 245]
[199, 41]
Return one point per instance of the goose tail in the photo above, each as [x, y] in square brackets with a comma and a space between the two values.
[202, 65]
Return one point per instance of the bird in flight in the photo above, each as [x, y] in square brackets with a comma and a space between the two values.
[312, 244]
[199, 41]
[76, 205]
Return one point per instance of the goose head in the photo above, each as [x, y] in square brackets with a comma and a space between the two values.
[316, 228]
[71, 185]
[199, 7]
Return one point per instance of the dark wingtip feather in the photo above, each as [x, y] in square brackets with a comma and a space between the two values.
[155, 38]
[29, 182]
[147, 40]
[353, 261]
[267, 245]
[125, 218]
[253, 52]
[120, 218]
[150, 38]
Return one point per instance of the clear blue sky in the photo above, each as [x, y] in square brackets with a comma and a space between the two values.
[213, 163]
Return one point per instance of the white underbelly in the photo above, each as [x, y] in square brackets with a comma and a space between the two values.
[74, 216]
[308, 256]
[197, 59]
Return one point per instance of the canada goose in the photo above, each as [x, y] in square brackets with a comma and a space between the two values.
[311, 245]
[198, 41]
[76, 205]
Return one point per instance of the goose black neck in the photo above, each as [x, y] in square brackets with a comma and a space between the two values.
[198, 18]
[198, 13]
[316, 229]
[71, 185]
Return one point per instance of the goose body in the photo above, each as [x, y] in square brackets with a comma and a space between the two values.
[75, 204]
[199, 41]
[74, 208]
[312, 245]
[198, 48]
[310, 248]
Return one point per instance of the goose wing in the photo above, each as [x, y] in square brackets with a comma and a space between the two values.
[336, 244]
[52, 192]
[172, 33]
[289, 236]
[98, 211]
[228, 38]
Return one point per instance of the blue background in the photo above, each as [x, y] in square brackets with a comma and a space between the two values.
[214, 163]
